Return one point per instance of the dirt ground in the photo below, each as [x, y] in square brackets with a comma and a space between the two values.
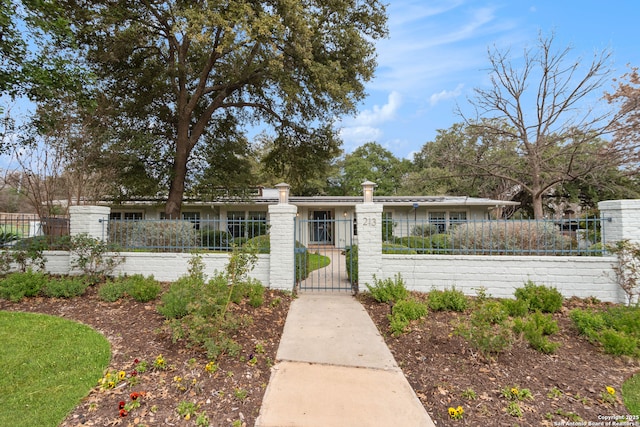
[566, 387]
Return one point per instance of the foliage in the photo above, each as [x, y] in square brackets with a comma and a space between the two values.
[540, 297]
[627, 267]
[288, 66]
[531, 132]
[27, 253]
[370, 162]
[200, 312]
[216, 239]
[485, 337]
[403, 312]
[162, 235]
[137, 286]
[65, 287]
[41, 354]
[509, 237]
[491, 311]
[388, 290]
[516, 307]
[449, 299]
[631, 394]
[617, 329]
[535, 329]
[18, 285]
[94, 257]
[351, 260]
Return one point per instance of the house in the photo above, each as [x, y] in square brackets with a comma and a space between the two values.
[322, 220]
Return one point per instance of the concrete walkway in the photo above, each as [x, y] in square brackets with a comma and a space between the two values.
[334, 369]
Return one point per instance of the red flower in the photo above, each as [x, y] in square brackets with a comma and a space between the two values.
[133, 373]
[134, 395]
[136, 361]
[121, 404]
[123, 413]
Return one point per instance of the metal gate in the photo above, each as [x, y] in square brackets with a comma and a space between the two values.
[320, 253]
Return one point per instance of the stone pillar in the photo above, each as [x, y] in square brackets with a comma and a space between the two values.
[369, 217]
[620, 220]
[282, 237]
[91, 220]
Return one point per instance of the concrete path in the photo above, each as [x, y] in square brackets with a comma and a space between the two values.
[334, 369]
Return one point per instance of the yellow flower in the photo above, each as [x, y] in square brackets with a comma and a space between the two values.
[211, 367]
[452, 412]
[459, 410]
[611, 390]
[514, 391]
[122, 375]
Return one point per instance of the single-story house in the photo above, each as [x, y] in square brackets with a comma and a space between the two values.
[325, 220]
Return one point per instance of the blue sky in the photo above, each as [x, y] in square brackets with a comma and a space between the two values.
[436, 55]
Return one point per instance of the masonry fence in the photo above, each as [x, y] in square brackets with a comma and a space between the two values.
[576, 273]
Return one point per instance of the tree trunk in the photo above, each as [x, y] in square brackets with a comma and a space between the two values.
[538, 212]
[179, 173]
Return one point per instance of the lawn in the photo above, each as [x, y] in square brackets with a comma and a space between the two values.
[49, 364]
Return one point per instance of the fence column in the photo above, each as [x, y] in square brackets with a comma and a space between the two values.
[282, 236]
[621, 220]
[89, 219]
[369, 217]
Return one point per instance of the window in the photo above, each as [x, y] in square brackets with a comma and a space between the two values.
[194, 217]
[115, 215]
[439, 219]
[457, 218]
[132, 215]
[236, 224]
[257, 224]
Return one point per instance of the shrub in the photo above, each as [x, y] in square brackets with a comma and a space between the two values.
[424, 230]
[65, 287]
[112, 290]
[588, 323]
[441, 243]
[175, 302]
[161, 235]
[516, 307]
[140, 288]
[492, 311]
[627, 267]
[618, 343]
[488, 339]
[94, 257]
[540, 297]
[393, 248]
[18, 285]
[388, 290]
[508, 237]
[216, 239]
[351, 259]
[403, 312]
[535, 329]
[418, 245]
[449, 299]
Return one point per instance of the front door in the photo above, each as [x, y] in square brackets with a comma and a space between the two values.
[321, 228]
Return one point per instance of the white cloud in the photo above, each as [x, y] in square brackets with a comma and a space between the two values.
[446, 94]
[377, 114]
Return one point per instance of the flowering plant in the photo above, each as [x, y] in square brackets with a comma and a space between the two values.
[456, 413]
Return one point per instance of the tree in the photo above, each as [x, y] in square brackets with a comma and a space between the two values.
[543, 107]
[370, 162]
[626, 130]
[171, 69]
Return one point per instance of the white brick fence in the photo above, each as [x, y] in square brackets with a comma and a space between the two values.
[499, 275]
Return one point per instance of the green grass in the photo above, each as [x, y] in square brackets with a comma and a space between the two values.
[48, 365]
[317, 261]
[631, 394]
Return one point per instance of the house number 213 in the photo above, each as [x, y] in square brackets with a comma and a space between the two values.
[369, 222]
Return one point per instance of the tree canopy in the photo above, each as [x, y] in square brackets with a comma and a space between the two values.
[168, 71]
[546, 107]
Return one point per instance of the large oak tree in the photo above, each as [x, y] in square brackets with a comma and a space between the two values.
[171, 69]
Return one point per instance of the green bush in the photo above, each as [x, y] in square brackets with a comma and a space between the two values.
[449, 299]
[535, 329]
[492, 311]
[540, 297]
[18, 285]
[424, 230]
[112, 290]
[487, 338]
[625, 319]
[618, 343]
[588, 322]
[175, 302]
[351, 259]
[403, 312]
[216, 239]
[393, 248]
[516, 307]
[140, 288]
[420, 245]
[388, 290]
[65, 287]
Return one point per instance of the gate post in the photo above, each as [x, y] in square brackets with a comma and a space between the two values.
[89, 220]
[282, 237]
[621, 220]
[369, 216]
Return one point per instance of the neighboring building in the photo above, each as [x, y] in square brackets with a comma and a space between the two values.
[323, 214]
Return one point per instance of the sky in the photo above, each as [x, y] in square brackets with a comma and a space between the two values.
[437, 54]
